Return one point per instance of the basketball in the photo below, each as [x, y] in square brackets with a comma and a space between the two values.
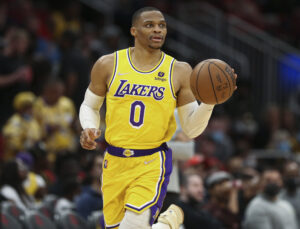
[212, 81]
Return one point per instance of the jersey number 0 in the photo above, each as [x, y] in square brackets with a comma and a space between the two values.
[137, 118]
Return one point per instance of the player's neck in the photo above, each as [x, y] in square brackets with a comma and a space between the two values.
[145, 58]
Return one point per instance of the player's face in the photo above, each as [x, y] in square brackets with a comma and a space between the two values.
[150, 29]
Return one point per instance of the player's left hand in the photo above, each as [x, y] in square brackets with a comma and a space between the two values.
[235, 76]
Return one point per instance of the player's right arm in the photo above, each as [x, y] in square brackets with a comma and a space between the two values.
[89, 115]
[193, 117]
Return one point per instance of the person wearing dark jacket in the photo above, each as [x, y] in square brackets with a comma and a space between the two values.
[191, 200]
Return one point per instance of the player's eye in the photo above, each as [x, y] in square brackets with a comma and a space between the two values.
[148, 25]
[162, 25]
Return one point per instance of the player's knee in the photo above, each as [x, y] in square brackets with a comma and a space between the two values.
[135, 220]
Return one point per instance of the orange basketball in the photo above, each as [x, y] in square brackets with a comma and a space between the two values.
[212, 81]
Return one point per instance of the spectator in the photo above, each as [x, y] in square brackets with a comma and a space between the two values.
[191, 200]
[56, 115]
[113, 39]
[289, 123]
[34, 184]
[267, 210]
[16, 134]
[249, 178]
[68, 19]
[291, 191]
[71, 188]
[223, 199]
[196, 164]
[218, 129]
[15, 73]
[42, 166]
[66, 168]
[269, 125]
[281, 140]
[11, 184]
[90, 199]
[75, 67]
[235, 166]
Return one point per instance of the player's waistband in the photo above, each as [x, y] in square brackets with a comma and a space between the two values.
[121, 152]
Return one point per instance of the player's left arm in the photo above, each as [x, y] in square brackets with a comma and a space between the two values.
[193, 117]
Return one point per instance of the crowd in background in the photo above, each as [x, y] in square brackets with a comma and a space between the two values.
[244, 172]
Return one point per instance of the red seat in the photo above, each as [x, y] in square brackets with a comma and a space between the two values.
[8, 222]
[36, 220]
[13, 210]
[46, 211]
[71, 220]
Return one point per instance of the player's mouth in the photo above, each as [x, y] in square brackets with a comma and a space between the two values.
[156, 39]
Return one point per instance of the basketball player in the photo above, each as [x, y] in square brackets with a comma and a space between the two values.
[142, 86]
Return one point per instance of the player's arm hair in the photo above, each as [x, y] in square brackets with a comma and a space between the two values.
[193, 117]
[89, 115]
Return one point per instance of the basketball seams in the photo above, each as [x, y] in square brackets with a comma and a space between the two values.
[232, 79]
[212, 83]
[197, 81]
[230, 93]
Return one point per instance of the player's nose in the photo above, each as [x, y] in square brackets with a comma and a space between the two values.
[157, 29]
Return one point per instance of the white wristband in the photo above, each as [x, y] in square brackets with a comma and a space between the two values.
[89, 115]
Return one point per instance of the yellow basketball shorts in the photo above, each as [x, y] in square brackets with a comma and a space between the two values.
[134, 180]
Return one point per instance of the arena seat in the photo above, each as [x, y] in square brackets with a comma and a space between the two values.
[46, 210]
[9, 222]
[70, 220]
[36, 220]
[12, 210]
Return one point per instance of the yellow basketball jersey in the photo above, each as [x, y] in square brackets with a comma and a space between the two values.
[140, 104]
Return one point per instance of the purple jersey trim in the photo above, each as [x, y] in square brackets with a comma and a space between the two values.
[171, 77]
[115, 70]
[145, 72]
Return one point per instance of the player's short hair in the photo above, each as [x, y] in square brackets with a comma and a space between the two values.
[138, 13]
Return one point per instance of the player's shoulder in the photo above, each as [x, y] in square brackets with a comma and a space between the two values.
[106, 60]
[109, 59]
[182, 70]
[182, 66]
[103, 67]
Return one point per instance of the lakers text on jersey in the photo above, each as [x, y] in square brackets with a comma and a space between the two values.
[140, 104]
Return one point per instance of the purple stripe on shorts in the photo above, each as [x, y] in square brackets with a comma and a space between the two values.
[101, 221]
[155, 209]
[166, 170]
[158, 186]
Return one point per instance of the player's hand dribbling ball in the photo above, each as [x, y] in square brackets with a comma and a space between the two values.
[213, 81]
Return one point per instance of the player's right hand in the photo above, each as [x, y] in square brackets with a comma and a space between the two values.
[87, 138]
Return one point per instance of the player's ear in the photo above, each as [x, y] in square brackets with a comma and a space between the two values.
[133, 31]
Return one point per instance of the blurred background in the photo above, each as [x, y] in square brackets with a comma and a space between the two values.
[47, 49]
